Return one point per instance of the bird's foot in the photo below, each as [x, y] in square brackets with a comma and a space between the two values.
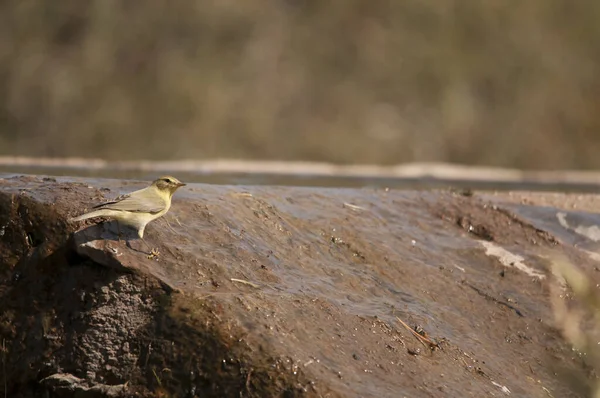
[154, 253]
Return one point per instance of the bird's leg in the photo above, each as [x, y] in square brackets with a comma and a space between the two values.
[128, 244]
[119, 234]
[147, 245]
[153, 252]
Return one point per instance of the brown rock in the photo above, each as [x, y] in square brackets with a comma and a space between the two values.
[273, 291]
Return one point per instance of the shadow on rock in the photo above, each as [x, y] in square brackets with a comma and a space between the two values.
[105, 243]
[83, 315]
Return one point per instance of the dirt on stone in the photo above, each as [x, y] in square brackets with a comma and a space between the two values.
[280, 291]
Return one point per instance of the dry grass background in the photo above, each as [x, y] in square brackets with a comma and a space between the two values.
[504, 83]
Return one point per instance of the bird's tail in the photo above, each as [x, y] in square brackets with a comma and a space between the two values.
[97, 213]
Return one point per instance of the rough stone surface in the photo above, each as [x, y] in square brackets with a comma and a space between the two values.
[273, 291]
[67, 385]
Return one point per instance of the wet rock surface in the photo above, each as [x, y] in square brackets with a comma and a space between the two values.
[283, 291]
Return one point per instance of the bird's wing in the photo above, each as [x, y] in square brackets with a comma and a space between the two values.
[136, 203]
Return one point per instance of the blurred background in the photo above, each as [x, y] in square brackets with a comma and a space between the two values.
[496, 83]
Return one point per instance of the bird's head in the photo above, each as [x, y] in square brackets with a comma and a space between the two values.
[168, 184]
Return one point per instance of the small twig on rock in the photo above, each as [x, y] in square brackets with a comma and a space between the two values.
[254, 285]
[353, 207]
[248, 379]
[157, 378]
[424, 340]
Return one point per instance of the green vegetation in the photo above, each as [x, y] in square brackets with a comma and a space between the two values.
[576, 305]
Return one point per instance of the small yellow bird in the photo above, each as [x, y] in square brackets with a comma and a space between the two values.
[138, 208]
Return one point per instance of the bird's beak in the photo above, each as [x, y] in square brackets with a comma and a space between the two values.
[181, 184]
